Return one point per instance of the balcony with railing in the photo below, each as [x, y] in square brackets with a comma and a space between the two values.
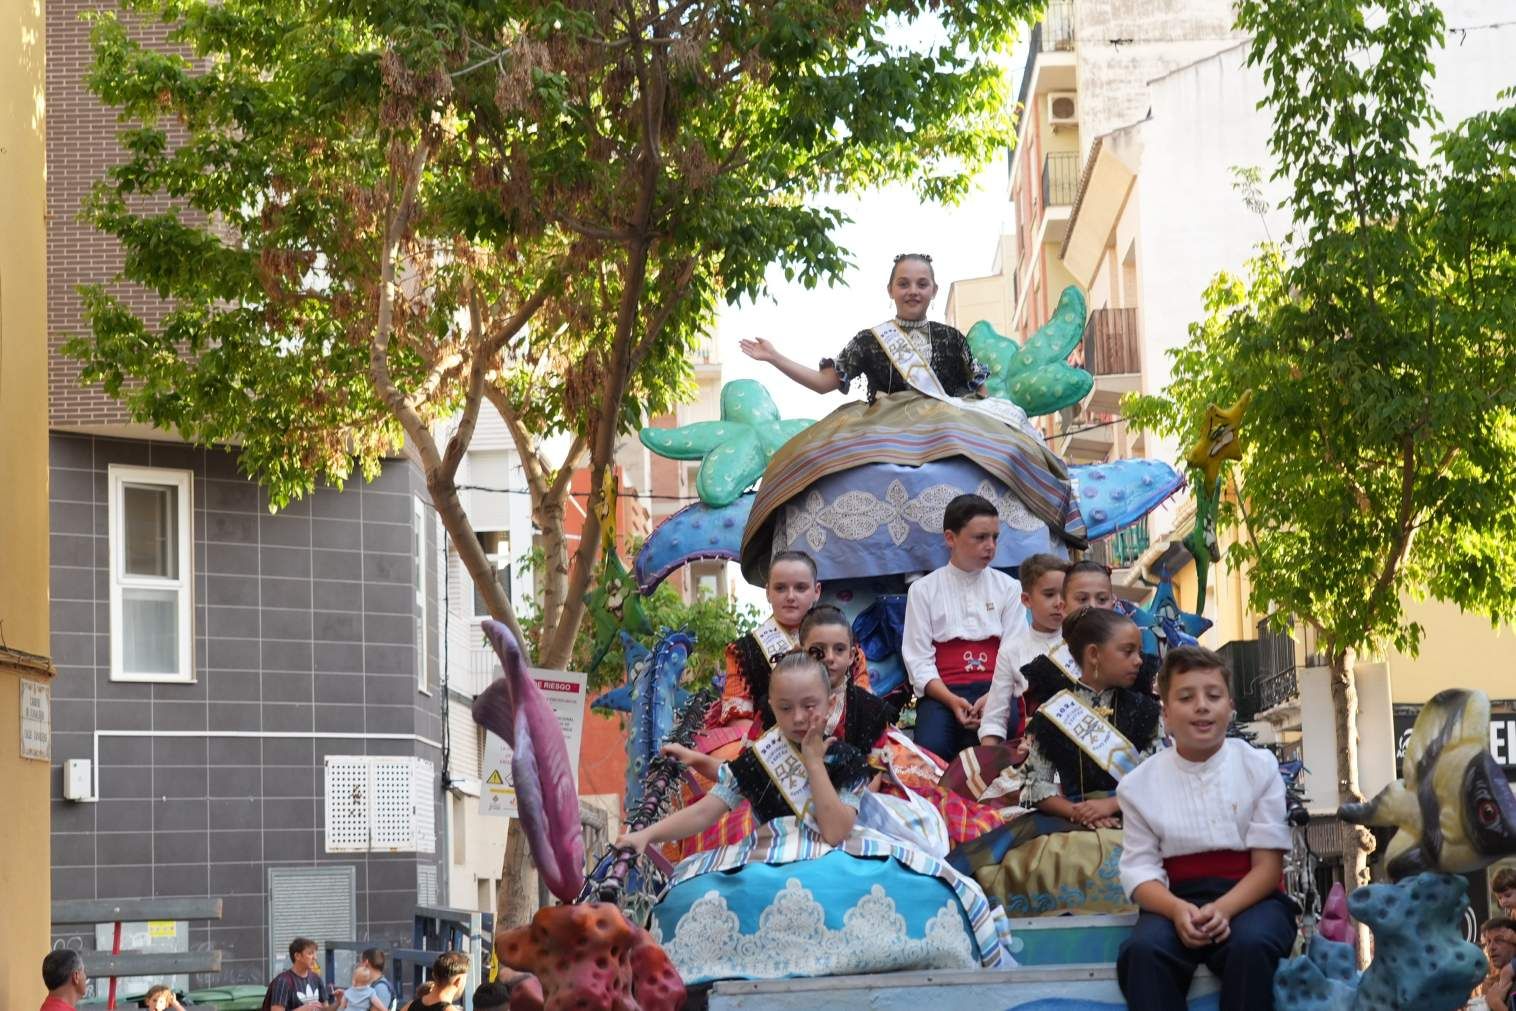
[1111, 352]
[1122, 549]
[1060, 178]
[1055, 33]
[1278, 680]
[1111, 342]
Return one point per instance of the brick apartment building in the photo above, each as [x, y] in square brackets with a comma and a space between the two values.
[256, 694]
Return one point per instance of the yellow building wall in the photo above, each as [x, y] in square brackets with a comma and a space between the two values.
[1458, 650]
[1056, 279]
[24, 850]
[980, 298]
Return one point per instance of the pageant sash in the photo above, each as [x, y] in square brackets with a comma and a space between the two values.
[1092, 733]
[914, 365]
[1062, 657]
[772, 640]
[782, 763]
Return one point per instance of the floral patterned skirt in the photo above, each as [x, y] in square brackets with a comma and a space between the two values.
[783, 903]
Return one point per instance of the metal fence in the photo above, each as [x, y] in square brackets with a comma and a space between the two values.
[1277, 679]
[1060, 178]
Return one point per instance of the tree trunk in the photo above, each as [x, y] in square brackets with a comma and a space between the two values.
[555, 563]
[455, 521]
[516, 898]
[1357, 842]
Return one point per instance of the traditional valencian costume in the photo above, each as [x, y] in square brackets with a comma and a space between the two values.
[742, 713]
[782, 902]
[1086, 741]
[853, 484]
[859, 717]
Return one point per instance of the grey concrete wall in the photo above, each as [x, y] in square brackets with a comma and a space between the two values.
[304, 622]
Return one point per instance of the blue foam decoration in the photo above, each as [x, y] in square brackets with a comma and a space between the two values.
[697, 531]
[1115, 495]
[1420, 957]
[651, 695]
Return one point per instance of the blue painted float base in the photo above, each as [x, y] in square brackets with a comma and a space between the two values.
[1090, 987]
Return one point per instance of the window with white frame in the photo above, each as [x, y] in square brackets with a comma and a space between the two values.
[422, 567]
[497, 548]
[151, 557]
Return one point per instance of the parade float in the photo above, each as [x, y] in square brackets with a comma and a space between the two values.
[863, 493]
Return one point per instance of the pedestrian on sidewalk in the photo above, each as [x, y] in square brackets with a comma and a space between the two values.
[64, 976]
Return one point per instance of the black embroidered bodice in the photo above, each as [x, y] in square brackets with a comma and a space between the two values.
[1134, 714]
[865, 717]
[959, 372]
[846, 768]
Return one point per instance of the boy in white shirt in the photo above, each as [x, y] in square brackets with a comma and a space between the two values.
[1042, 596]
[1203, 854]
[956, 620]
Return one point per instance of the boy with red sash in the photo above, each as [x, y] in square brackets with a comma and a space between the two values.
[1204, 849]
[956, 619]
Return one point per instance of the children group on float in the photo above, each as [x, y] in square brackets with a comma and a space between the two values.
[1045, 743]
[1105, 739]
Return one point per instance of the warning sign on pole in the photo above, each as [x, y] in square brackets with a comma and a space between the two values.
[564, 691]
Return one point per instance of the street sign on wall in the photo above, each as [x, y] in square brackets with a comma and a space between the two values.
[564, 691]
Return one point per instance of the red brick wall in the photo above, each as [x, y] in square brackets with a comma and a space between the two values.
[81, 146]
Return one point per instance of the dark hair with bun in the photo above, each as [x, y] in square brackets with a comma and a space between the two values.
[1092, 626]
[824, 614]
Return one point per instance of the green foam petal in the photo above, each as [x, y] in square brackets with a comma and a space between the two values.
[731, 469]
[748, 401]
[775, 435]
[692, 441]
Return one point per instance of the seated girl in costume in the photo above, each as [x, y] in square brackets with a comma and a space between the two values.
[925, 384]
[826, 884]
[792, 589]
[1090, 730]
[742, 712]
[1088, 584]
[828, 635]
[864, 721]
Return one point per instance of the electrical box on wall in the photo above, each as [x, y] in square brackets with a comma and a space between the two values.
[78, 783]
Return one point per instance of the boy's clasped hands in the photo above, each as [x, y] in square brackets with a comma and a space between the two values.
[1201, 926]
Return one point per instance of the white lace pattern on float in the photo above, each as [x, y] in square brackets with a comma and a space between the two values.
[793, 939]
[856, 515]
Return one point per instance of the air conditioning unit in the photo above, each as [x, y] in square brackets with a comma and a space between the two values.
[1063, 108]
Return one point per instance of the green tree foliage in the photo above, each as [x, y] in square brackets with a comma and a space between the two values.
[713, 621]
[1377, 339]
[369, 219]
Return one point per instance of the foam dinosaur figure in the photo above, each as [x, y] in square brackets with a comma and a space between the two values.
[1421, 959]
[651, 695]
[615, 607]
[547, 798]
[1453, 808]
[1201, 540]
[734, 451]
[1036, 376]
